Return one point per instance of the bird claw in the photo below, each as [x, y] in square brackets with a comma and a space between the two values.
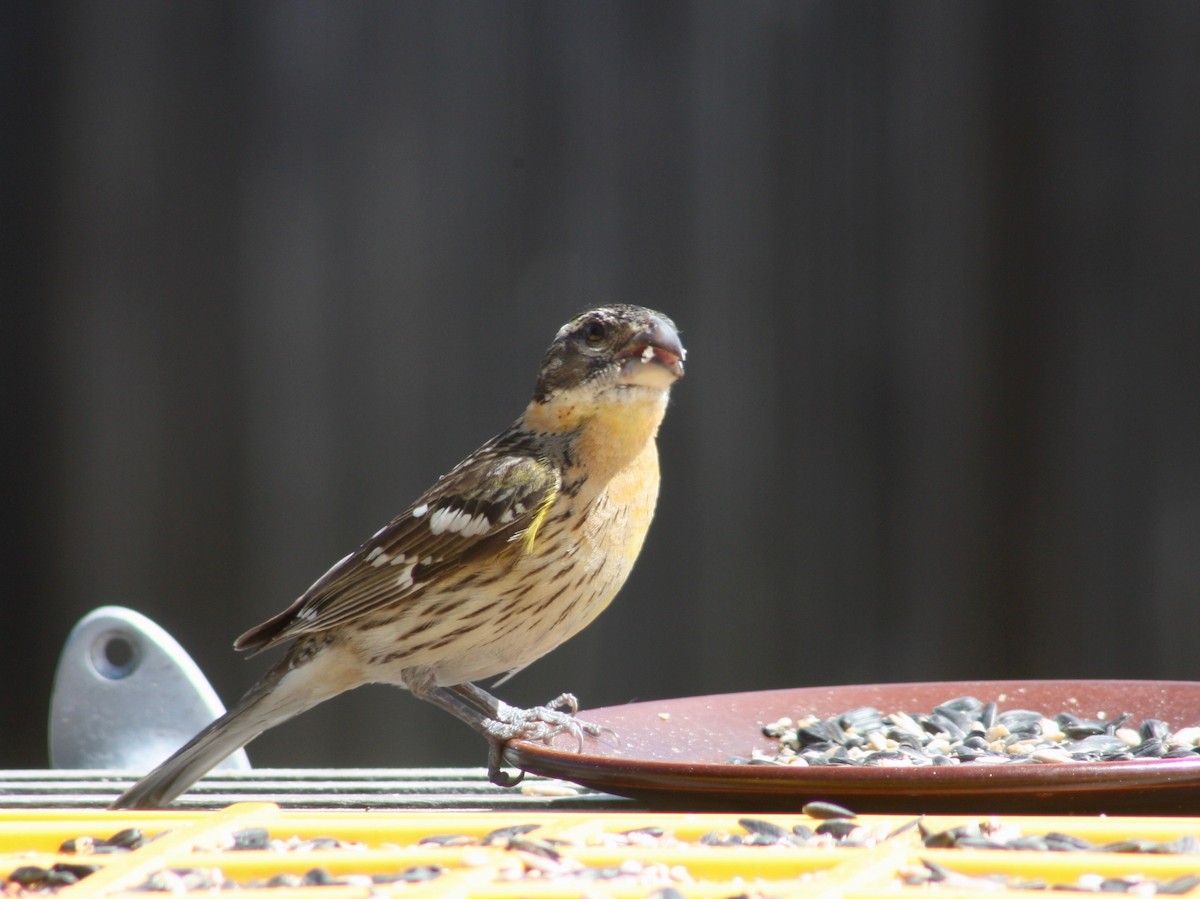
[541, 724]
[495, 759]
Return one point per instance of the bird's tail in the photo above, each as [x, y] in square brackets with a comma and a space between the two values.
[278, 696]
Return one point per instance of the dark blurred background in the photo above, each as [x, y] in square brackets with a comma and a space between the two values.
[269, 268]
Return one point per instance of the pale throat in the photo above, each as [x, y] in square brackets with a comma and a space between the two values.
[611, 431]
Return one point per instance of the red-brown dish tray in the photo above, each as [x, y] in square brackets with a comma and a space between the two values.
[675, 753]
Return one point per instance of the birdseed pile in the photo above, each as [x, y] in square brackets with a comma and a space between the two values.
[967, 730]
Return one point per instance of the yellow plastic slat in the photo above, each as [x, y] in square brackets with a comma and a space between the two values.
[572, 854]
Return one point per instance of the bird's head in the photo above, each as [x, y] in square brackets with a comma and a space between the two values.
[611, 354]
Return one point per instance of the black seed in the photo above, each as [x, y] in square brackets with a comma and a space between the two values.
[987, 715]
[903, 737]
[883, 757]
[130, 838]
[252, 838]
[666, 893]
[837, 827]
[834, 732]
[1184, 845]
[447, 839]
[1151, 747]
[1131, 846]
[1179, 885]
[1065, 842]
[864, 720]
[503, 834]
[841, 758]
[803, 831]
[825, 810]
[809, 736]
[765, 829]
[78, 871]
[28, 875]
[1114, 885]
[1021, 721]
[416, 874]
[968, 705]
[974, 841]
[815, 759]
[318, 877]
[942, 839]
[1153, 729]
[651, 831]
[536, 847]
[938, 723]
[951, 711]
[915, 754]
[936, 872]
[1030, 842]
[1097, 744]
[1077, 728]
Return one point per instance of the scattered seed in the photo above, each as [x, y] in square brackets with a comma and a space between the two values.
[825, 810]
[448, 839]
[130, 838]
[318, 877]
[414, 874]
[837, 827]
[541, 848]
[251, 839]
[504, 834]
[766, 832]
[29, 876]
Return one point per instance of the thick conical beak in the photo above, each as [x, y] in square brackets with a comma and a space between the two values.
[657, 344]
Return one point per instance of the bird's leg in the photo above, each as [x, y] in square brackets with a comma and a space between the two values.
[500, 722]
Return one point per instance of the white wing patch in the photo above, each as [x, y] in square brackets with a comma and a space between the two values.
[456, 521]
[404, 580]
[378, 557]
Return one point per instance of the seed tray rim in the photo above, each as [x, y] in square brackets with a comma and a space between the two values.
[666, 751]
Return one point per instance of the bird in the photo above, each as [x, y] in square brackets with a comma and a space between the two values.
[502, 559]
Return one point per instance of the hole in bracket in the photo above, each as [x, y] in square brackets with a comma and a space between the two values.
[115, 655]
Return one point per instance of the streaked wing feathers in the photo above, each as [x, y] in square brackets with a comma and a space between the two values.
[480, 509]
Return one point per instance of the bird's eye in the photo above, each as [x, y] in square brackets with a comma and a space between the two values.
[595, 331]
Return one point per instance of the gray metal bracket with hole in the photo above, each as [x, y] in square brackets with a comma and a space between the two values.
[126, 695]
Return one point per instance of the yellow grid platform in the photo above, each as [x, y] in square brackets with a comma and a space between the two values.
[560, 854]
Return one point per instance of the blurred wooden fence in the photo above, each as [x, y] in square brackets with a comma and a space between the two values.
[271, 267]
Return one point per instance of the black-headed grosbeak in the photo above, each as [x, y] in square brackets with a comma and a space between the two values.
[500, 561]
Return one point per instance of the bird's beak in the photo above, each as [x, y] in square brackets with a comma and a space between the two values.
[656, 345]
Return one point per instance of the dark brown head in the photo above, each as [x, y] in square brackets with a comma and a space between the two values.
[612, 348]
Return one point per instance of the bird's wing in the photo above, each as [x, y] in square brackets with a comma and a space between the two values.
[487, 508]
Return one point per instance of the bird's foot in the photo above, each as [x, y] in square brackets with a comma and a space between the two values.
[541, 723]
